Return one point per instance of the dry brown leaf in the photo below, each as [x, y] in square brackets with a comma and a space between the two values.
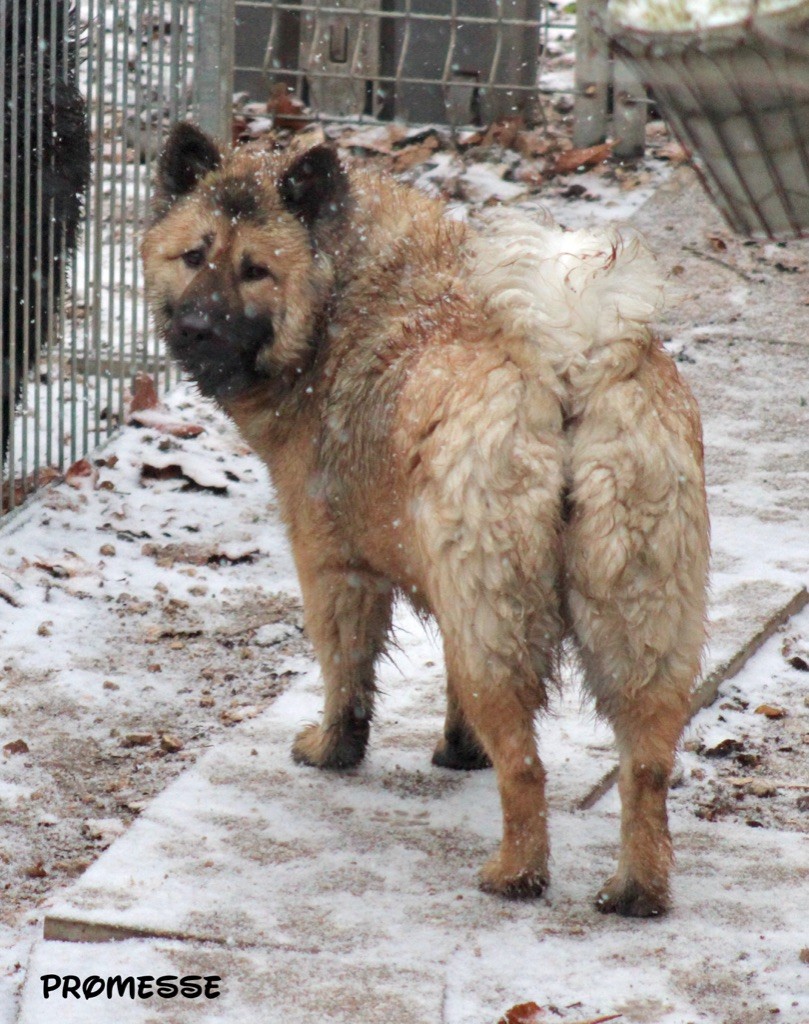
[717, 243]
[572, 159]
[137, 739]
[532, 144]
[286, 110]
[15, 747]
[372, 141]
[166, 555]
[411, 156]
[503, 132]
[81, 474]
[144, 394]
[155, 420]
[467, 139]
[771, 711]
[523, 1013]
[673, 152]
[195, 475]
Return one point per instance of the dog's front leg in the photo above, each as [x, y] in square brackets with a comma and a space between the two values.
[348, 616]
[459, 748]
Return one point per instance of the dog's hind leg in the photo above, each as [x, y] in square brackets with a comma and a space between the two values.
[348, 615]
[500, 706]
[489, 530]
[636, 561]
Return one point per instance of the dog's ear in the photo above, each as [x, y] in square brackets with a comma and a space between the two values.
[315, 185]
[189, 154]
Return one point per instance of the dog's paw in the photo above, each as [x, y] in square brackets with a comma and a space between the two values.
[465, 757]
[333, 747]
[521, 884]
[630, 899]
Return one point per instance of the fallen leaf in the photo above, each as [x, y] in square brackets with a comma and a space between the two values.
[799, 663]
[144, 394]
[170, 743]
[762, 788]
[286, 110]
[771, 711]
[137, 739]
[180, 466]
[503, 132]
[414, 155]
[532, 144]
[167, 555]
[572, 159]
[230, 716]
[723, 748]
[36, 870]
[673, 152]
[15, 747]
[156, 420]
[371, 141]
[81, 474]
[467, 139]
[717, 243]
[523, 1013]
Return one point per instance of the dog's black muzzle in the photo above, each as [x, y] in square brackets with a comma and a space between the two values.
[219, 347]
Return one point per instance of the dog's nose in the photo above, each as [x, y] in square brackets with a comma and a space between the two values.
[194, 326]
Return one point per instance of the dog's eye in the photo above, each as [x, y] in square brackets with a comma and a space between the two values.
[193, 258]
[254, 272]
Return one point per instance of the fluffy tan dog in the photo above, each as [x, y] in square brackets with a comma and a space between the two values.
[479, 419]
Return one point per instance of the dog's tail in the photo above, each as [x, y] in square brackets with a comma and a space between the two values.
[580, 294]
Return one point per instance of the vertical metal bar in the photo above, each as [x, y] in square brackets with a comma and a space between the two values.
[189, 20]
[94, 367]
[592, 76]
[138, 185]
[5, 338]
[175, 19]
[213, 74]
[116, 221]
[125, 254]
[149, 146]
[70, 39]
[48, 211]
[26, 215]
[13, 277]
[40, 38]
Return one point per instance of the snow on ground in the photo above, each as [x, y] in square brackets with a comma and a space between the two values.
[154, 670]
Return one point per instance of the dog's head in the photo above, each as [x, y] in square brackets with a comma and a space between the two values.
[236, 270]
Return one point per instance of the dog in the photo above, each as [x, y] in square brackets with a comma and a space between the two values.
[38, 240]
[480, 419]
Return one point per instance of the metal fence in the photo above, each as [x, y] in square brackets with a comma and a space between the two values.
[75, 327]
[455, 61]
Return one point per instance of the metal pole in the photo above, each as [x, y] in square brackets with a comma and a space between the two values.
[593, 75]
[213, 67]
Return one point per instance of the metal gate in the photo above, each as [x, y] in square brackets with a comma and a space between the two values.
[75, 327]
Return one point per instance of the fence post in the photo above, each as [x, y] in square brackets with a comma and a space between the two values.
[213, 67]
[592, 76]
[629, 112]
